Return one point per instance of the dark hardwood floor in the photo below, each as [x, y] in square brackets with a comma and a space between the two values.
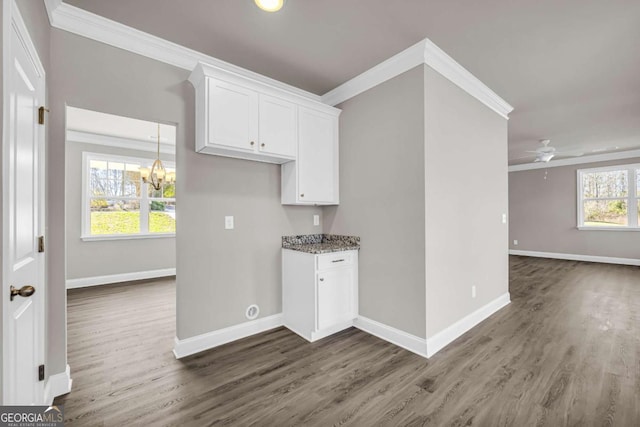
[566, 351]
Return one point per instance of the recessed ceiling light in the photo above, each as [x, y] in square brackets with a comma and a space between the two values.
[270, 5]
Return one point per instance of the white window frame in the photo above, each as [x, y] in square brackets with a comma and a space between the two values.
[85, 232]
[632, 198]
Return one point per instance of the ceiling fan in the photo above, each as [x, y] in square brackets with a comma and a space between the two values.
[547, 152]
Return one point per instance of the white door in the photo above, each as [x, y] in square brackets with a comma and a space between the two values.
[316, 156]
[233, 116]
[335, 291]
[277, 129]
[23, 217]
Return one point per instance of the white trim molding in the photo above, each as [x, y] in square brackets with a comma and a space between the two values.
[119, 278]
[115, 141]
[57, 385]
[577, 257]
[423, 52]
[443, 338]
[593, 158]
[86, 24]
[193, 345]
[390, 334]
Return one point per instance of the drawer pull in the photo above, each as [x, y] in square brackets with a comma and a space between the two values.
[338, 260]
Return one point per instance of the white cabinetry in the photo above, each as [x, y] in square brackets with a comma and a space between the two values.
[313, 178]
[241, 122]
[277, 120]
[244, 118]
[319, 292]
[233, 117]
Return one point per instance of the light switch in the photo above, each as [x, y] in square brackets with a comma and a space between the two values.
[228, 222]
[504, 218]
[515, 243]
[316, 220]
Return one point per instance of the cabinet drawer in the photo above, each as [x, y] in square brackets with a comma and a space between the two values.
[334, 260]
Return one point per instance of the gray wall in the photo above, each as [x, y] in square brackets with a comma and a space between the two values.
[91, 75]
[382, 198]
[466, 195]
[221, 272]
[107, 257]
[543, 215]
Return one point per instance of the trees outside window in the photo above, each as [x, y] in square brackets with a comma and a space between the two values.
[118, 203]
[609, 197]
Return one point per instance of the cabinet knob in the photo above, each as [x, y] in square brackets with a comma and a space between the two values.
[252, 143]
[302, 195]
[262, 145]
[322, 279]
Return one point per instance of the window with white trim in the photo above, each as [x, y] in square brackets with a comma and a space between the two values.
[117, 204]
[609, 197]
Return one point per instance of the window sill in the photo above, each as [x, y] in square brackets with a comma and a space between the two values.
[587, 228]
[126, 236]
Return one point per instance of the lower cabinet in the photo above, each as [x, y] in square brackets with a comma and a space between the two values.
[319, 292]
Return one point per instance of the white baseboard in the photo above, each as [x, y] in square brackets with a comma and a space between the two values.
[576, 257]
[57, 385]
[446, 336]
[395, 336]
[193, 345]
[118, 278]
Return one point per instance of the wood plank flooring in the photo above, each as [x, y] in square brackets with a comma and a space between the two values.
[566, 351]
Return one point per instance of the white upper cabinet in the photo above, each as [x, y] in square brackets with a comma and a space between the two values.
[313, 178]
[243, 119]
[233, 116]
[253, 119]
[277, 126]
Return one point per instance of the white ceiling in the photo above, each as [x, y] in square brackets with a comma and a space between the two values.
[570, 68]
[97, 123]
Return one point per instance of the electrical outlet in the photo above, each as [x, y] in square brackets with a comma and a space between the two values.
[316, 220]
[515, 243]
[473, 291]
[228, 222]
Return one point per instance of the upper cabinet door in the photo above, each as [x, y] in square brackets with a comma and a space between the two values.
[317, 157]
[277, 127]
[233, 115]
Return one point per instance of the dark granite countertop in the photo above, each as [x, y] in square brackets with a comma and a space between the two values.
[321, 243]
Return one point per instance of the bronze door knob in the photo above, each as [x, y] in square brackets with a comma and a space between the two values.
[25, 291]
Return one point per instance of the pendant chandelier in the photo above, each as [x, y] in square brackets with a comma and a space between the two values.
[158, 174]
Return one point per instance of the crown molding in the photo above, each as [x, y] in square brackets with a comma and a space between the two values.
[86, 24]
[594, 158]
[51, 5]
[423, 52]
[386, 70]
[437, 59]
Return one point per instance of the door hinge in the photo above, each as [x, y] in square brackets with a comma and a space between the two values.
[41, 244]
[41, 373]
[41, 111]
